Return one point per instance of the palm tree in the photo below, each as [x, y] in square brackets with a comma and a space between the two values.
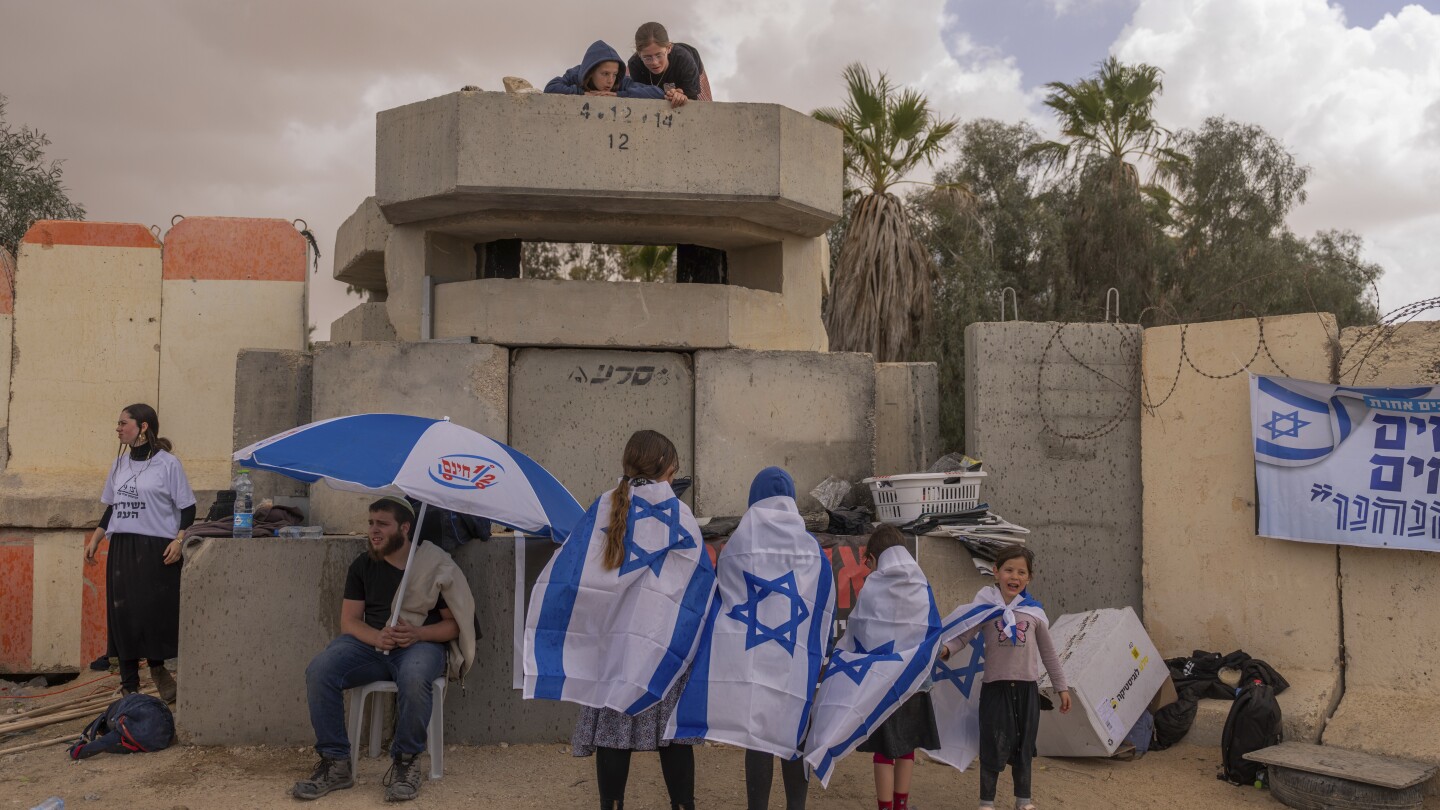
[1108, 123]
[1108, 129]
[880, 301]
[647, 262]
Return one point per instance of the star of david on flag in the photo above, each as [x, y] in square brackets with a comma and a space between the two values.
[1278, 419]
[758, 632]
[963, 678]
[856, 665]
[888, 648]
[581, 643]
[667, 513]
[753, 681]
[1295, 423]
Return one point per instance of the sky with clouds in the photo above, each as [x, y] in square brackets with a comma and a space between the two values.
[267, 108]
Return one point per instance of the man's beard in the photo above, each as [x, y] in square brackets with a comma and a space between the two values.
[392, 544]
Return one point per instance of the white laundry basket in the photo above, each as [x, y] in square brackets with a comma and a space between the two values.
[900, 499]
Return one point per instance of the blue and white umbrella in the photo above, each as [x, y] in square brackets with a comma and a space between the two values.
[432, 460]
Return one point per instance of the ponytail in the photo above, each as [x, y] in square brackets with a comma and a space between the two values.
[648, 455]
[615, 532]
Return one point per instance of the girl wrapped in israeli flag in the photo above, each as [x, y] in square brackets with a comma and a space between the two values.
[753, 681]
[872, 693]
[986, 696]
[615, 619]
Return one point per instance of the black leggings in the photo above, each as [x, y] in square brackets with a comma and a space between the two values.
[989, 779]
[760, 771]
[677, 765]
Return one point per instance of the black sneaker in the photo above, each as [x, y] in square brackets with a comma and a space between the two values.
[101, 664]
[402, 781]
[330, 774]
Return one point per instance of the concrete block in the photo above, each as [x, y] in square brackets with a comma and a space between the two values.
[1369, 718]
[535, 312]
[367, 322]
[1029, 409]
[410, 254]
[7, 327]
[1210, 582]
[211, 265]
[49, 500]
[360, 247]
[469, 382]
[1304, 709]
[86, 341]
[275, 395]
[466, 152]
[254, 612]
[40, 604]
[1389, 671]
[809, 412]
[573, 409]
[907, 417]
[951, 571]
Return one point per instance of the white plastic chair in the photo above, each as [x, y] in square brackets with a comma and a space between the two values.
[435, 737]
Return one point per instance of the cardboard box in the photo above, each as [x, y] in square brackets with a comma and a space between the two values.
[1113, 669]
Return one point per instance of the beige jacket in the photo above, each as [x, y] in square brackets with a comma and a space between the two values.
[433, 574]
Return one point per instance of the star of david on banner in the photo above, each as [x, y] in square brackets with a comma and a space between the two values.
[856, 665]
[667, 513]
[1277, 418]
[963, 677]
[748, 612]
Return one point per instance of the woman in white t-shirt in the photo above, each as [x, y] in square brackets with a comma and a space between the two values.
[148, 506]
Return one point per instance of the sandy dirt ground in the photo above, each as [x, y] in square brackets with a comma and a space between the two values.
[546, 776]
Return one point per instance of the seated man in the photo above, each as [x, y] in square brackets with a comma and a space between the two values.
[438, 609]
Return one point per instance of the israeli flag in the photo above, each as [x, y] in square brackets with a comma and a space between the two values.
[754, 677]
[620, 638]
[889, 646]
[956, 693]
[1295, 423]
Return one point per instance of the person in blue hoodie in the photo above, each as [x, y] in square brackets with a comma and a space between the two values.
[601, 73]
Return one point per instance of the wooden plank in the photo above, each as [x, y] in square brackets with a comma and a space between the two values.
[1353, 765]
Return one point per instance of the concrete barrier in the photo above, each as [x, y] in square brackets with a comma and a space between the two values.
[280, 384]
[229, 283]
[86, 341]
[907, 417]
[637, 315]
[254, 612]
[573, 409]
[809, 412]
[7, 326]
[52, 605]
[1390, 634]
[1210, 582]
[468, 382]
[1061, 445]
[467, 152]
[360, 248]
[367, 322]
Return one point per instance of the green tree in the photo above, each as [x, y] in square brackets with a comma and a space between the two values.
[880, 299]
[30, 188]
[647, 262]
[1010, 235]
[1234, 253]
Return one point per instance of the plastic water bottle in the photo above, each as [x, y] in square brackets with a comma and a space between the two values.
[244, 523]
[52, 803]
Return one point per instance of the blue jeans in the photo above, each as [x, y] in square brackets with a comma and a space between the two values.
[348, 662]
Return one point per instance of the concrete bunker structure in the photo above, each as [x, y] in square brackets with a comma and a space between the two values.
[737, 374]
[759, 181]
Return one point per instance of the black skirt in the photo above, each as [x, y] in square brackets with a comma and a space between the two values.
[1009, 723]
[911, 726]
[142, 611]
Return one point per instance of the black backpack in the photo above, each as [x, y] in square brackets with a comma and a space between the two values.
[1253, 724]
